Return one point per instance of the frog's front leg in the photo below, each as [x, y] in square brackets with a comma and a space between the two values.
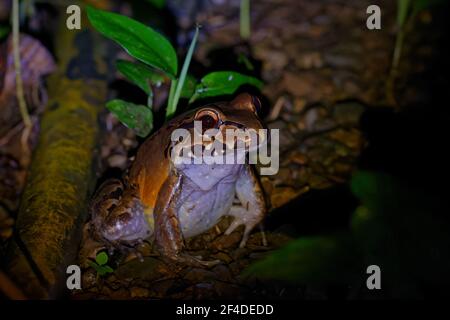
[253, 206]
[168, 236]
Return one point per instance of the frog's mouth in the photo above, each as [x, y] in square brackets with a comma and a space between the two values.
[217, 139]
[233, 144]
[244, 140]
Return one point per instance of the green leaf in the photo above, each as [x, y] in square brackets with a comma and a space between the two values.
[4, 31]
[140, 75]
[103, 270]
[188, 87]
[100, 267]
[108, 269]
[311, 260]
[94, 265]
[223, 83]
[134, 116]
[101, 258]
[140, 41]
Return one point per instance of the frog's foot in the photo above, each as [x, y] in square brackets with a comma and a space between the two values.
[240, 218]
[90, 245]
[129, 250]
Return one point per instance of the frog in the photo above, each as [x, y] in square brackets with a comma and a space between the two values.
[166, 203]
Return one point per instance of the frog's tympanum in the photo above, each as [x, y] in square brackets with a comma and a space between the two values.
[169, 202]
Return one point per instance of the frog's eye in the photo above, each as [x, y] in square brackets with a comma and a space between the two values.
[209, 119]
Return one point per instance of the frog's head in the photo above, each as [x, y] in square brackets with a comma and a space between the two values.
[239, 114]
[237, 122]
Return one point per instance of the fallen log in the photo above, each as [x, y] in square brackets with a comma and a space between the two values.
[61, 176]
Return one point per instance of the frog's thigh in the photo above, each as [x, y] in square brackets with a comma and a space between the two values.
[252, 208]
[168, 236]
[105, 197]
[107, 194]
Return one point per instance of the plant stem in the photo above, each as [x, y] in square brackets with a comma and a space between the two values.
[403, 9]
[245, 19]
[18, 70]
[398, 49]
[178, 84]
[170, 107]
[150, 100]
[404, 20]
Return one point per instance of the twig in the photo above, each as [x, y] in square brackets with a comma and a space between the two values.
[19, 83]
[245, 19]
[279, 104]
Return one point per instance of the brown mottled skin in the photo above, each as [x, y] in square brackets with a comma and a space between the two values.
[173, 202]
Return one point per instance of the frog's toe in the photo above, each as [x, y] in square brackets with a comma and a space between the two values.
[111, 250]
[236, 223]
[248, 228]
[134, 253]
[244, 240]
[246, 235]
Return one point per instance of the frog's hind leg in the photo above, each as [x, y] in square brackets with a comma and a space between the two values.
[253, 207]
[236, 212]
